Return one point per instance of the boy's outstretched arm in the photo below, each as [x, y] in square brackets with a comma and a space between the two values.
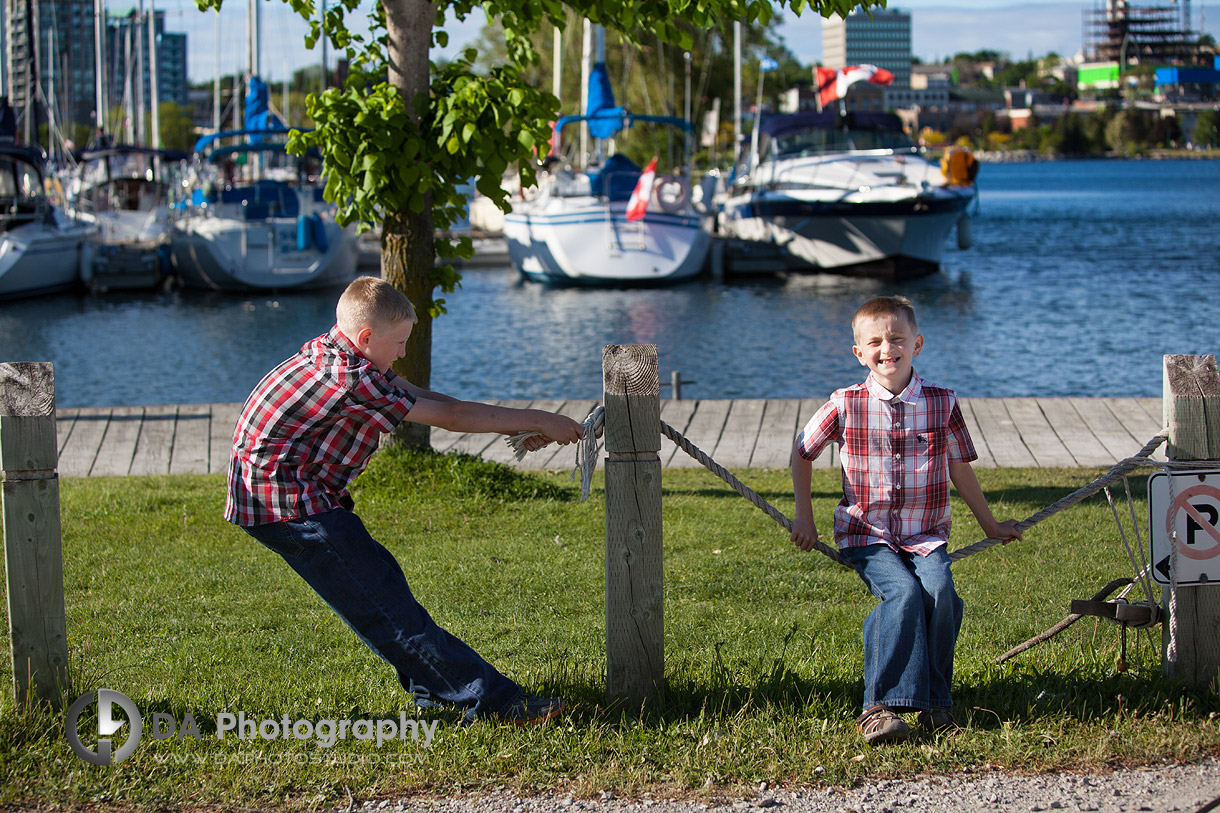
[472, 416]
[968, 488]
[804, 530]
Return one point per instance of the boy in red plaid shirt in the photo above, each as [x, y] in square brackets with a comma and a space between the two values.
[306, 432]
[901, 441]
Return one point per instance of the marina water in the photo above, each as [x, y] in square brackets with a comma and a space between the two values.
[1083, 274]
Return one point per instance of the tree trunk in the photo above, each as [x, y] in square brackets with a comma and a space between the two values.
[407, 251]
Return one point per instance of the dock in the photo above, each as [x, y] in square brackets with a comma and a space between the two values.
[739, 434]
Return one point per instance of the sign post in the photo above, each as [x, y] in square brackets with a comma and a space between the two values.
[1187, 506]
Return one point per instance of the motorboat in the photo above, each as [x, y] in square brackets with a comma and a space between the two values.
[846, 193]
[575, 227]
[255, 218]
[124, 191]
[41, 249]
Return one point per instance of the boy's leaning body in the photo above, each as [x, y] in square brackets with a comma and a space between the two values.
[902, 440]
[305, 433]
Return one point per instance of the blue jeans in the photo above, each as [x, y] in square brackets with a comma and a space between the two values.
[910, 636]
[363, 583]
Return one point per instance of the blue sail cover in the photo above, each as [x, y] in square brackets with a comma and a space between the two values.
[604, 118]
[258, 109]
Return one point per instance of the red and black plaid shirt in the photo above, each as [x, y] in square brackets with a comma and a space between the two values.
[895, 452]
[308, 429]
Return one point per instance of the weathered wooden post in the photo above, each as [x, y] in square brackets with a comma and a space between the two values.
[33, 551]
[635, 647]
[1191, 403]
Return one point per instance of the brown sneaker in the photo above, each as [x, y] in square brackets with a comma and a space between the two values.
[937, 718]
[530, 709]
[880, 725]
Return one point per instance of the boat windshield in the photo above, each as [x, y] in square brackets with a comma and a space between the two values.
[18, 179]
[821, 140]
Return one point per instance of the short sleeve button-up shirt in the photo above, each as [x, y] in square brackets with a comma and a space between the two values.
[895, 451]
[307, 431]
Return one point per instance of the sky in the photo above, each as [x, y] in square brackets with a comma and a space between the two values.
[940, 28]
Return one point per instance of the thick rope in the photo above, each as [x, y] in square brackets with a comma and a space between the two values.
[586, 460]
[1121, 469]
[741, 488]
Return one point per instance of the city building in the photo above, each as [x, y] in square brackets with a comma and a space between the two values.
[50, 45]
[880, 37]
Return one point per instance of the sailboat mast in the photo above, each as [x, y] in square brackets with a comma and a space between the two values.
[557, 64]
[736, 91]
[585, 48]
[216, 80]
[135, 26]
[324, 38]
[3, 49]
[99, 65]
[153, 86]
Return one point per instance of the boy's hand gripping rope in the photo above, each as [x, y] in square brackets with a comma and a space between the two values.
[586, 461]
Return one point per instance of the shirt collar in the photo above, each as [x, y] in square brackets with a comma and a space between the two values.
[341, 343]
[909, 395]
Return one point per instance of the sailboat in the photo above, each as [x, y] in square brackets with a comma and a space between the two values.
[577, 230]
[41, 250]
[124, 191]
[255, 218]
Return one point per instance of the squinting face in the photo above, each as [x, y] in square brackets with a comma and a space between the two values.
[887, 345]
[384, 344]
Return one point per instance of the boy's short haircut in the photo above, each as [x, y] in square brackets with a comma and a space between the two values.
[886, 306]
[372, 300]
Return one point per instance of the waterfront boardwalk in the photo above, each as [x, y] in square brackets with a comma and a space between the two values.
[738, 434]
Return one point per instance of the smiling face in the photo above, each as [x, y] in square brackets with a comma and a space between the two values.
[887, 345]
[383, 344]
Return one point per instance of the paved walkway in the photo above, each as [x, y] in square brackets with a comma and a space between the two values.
[739, 434]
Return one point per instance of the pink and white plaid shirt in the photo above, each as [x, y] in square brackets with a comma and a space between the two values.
[308, 429]
[895, 452]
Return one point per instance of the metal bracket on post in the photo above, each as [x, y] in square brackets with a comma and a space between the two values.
[635, 647]
[29, 456]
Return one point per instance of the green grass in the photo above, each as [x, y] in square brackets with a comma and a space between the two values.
[184, 613]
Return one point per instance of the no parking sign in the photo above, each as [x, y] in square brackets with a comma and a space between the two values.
[1187, 503]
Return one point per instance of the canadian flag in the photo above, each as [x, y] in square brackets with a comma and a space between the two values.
[833, 84]
[638, 204]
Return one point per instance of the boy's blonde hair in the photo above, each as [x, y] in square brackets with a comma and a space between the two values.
[369, 302]
[886, 306]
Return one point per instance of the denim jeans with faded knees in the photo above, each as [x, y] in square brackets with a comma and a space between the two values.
[910, 636]
[364, 584]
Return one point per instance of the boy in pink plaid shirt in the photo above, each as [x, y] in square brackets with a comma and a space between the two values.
[902, 440]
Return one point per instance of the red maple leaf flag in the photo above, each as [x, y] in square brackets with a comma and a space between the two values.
[833, 84]
[638, 204]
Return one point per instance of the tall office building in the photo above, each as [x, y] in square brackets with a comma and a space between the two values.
[49, 45]
[48, 56]
[883, 39]
[125, 37]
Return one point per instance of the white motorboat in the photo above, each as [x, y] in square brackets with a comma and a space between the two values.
[845, 193]
[124, 191]
[41, 250]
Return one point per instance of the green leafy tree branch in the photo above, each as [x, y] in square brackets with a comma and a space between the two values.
[404, 133]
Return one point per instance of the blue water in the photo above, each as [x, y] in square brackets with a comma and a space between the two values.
[1083, 274]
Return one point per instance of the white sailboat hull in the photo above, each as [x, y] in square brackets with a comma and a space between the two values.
[586, 241]
[226, 254]
[38, 258]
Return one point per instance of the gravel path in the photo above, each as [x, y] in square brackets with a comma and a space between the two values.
[1186, 788]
